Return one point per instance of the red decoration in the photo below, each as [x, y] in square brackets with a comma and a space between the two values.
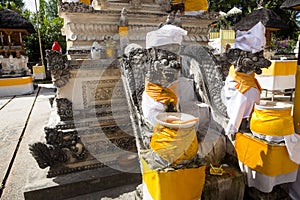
[56, 47]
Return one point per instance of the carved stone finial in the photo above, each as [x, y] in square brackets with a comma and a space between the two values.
[170, 18]
[177, 19]
[123, 19]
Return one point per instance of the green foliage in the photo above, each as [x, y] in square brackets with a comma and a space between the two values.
[50, 30]
[247, 6]
[283, 46]
[16, 5]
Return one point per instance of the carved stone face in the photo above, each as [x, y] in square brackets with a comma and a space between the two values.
[247, 62]
[165, 68]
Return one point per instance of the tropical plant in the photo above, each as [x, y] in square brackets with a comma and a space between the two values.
[50, 25]
[290, 17]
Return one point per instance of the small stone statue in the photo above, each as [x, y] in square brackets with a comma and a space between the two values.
[123, 19]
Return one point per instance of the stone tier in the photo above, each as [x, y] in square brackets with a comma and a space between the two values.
[76, 184]
[83, 27]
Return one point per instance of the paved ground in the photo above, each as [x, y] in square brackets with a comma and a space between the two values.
[22, 120]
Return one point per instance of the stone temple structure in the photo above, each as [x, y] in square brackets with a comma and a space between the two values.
[90, 142]
[15, 76]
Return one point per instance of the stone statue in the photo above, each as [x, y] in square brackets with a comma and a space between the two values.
[123, 19]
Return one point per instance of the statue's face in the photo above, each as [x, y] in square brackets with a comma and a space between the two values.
[247, 62]
[165, 68]
[169, 73]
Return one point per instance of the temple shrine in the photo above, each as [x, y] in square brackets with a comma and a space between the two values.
[100, 135]
[15, 76]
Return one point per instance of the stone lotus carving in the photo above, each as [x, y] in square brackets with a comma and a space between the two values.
[57, 64]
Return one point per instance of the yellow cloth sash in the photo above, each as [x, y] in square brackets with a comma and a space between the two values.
[281, 68]
[174, 145]
[88, 2]
[268, 159]
[161, 94]
[176, 185]
[193, 5]
[15, 81]
[272, 122]
[245, 81]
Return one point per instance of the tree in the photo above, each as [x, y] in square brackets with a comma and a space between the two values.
[247, 6]
[16, 5]
[50, 30]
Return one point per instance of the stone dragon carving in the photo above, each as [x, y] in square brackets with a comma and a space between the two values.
[62, 146]
[198, 63]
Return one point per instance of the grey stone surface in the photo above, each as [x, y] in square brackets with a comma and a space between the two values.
[77, 184]
[4, 101]
[13, 118]
[26, 180]
[24, 163]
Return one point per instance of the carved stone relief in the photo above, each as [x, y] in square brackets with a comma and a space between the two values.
[58, 66]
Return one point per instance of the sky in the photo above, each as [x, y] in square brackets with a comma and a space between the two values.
[30, 4]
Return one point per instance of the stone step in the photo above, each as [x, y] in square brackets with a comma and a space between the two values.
[112, 193]
[278, 193]
[77, 184]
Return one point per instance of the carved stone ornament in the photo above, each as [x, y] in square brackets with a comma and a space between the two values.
[62, 147]
[57, 64]
[123, 18]
[135, 4]
[244, 61]
[74, 7]
[64, 109]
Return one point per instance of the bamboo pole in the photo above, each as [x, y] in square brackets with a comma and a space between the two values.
[39, 34]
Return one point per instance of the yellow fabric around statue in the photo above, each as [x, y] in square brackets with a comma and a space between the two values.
[245, 81]
[268, 159]
[88, 2]
[193, 5]
[179, 184]
[281, 68]
[174, 145]
[161, 94]
[272, 122]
